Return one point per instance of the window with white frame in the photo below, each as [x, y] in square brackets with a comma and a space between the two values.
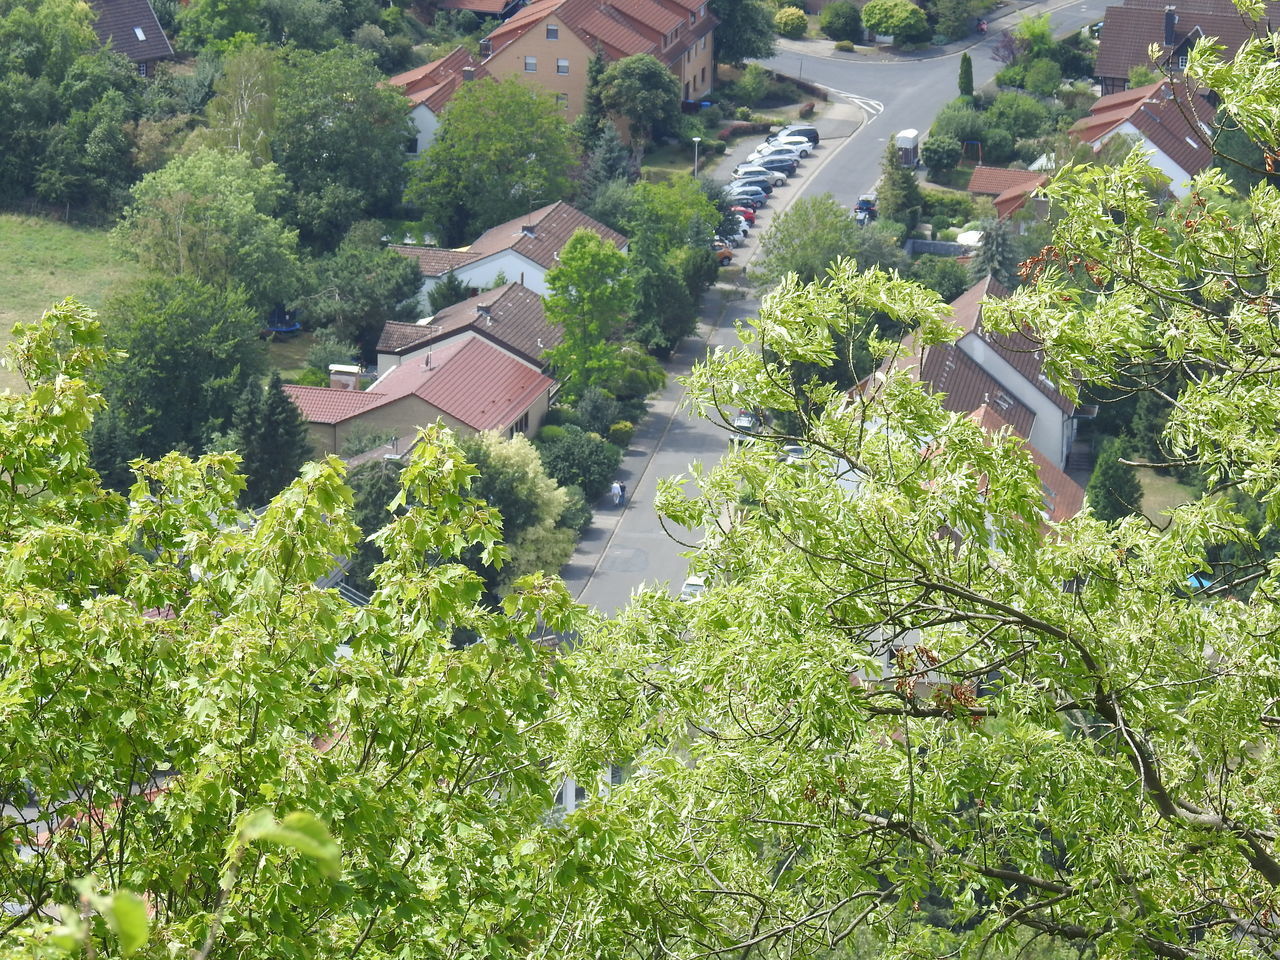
[553, 31]
[530, 64]
[562, 65]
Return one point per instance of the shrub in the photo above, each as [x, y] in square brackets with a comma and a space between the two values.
[1012, 76]
[790, 22]
[550, 433]
[1043, 77]
[997, 146]
[846, 46]
[596, 410]
[951, 204]
[743, 113]
[582, 459]
[807, 110]
[797, 4]
[752, 85]
[841, 20]
[959, 121]
[310, 377]
[621, 432]
[940, 154]
[576, 515]
[900, 19]
[327, 350]
[717, 146]
[1020, 114]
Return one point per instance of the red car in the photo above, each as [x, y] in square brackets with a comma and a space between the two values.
[746, 213]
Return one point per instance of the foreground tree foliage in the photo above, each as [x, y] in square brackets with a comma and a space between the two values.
[903, 687]
[172, 675]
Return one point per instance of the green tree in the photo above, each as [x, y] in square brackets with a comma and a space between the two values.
[745, 31]
[940, 155]
[900, 19]
[1141, 75]
[375, 484]
[996, 254]
[954, 19]
[271, 438]
[805, 239]
[842, 20]
[218, 25]
[1020, 114]
[966, 75]
[360, 288]
[898, 193]
[594, 119]
[447, 292]
[502, 149]
[1043, 77]
[211, 215]
[641, 89]
[590, 295]
[511, 478]
[1114, 491]
[946, 277]
[190, 350]
[241, 117]
[574, 457]
[1034, 37]
[790, 22]
[339, 139]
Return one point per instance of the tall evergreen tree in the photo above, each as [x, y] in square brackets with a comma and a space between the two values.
[593, 121]
[1114, 491]
[996, 254]
[898, 197]
[272, 439]
[966, 75]
[447, 292]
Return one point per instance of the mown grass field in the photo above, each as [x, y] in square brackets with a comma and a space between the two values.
[42, 261]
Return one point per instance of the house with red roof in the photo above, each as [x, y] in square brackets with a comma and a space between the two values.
[1009, 189]
[130, 27]
[470, 384]
[428, 88]
[1165, 118]
[1174, 27]
[510, 316]
[520, 251]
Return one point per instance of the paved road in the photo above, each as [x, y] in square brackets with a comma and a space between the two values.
[627, 548]
[902, 94]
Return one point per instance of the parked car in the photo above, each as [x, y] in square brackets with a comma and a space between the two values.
[750, 170]
[755, 195]
[724, 255]
[693, 588]
[746, 213]
[745, 421]
[801, 145]
[752, 203]
[760, 182]
[782, 164]
[774, 150]
[806, 130]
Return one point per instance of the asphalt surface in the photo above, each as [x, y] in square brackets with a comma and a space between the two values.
[873, 95]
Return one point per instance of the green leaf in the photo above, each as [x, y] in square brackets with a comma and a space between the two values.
[127, 914]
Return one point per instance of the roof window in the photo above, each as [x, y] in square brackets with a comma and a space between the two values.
[137, 32]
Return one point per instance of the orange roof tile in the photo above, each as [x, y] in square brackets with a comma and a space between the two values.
[1063, 497]
[996, 180]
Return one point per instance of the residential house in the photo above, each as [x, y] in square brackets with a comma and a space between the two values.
[430, 87]
[1165, 118]
[1004, 372]
[511, 317]
[1129, 30]
[1063, 497]
[470, 384]
[1009, 189]
[130, 27]
[550, 42]
[521, 251]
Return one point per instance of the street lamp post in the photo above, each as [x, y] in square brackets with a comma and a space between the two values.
[696, 141]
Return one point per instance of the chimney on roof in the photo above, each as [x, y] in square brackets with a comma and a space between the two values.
[468, 74]
[529, 230]
[1170, 25]
[483, 313]
[344, 376]
[486, 47]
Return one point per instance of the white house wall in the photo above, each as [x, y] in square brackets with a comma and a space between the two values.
[425, 122]
[1053, 432]
[1160, 160]
[483, 274]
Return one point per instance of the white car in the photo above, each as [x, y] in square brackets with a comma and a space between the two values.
[772, 150]
[692, 589]
[775, 177]
[801, 145]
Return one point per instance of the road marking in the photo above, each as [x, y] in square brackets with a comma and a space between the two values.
[873, 108]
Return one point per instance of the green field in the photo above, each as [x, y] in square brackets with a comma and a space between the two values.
[42, 261]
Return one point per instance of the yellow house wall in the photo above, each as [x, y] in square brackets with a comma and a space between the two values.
[509, 62]
[693, 63]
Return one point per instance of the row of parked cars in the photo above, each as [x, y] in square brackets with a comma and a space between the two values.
[770, 165]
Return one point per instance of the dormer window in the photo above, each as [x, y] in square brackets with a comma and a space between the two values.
[137, 32]
[693, 16]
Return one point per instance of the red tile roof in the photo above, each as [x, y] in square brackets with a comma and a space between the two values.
[1168, 116]
[514, 317]
[474, 382]
[1129, 30]
[541, 234]
[1063, 497]
[435, 261]
[435, 83]
[996, 180]
[965, 386]
[1013, 199]
[493, 7]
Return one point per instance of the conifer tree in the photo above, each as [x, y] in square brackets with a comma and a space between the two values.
[1114, 491]
[272, 439]
[593, 120]
[899, 192]
[966, 75]
[996, 255]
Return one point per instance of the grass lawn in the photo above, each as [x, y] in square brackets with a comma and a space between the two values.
[1160, 493]
[45, 261]
[290, 356]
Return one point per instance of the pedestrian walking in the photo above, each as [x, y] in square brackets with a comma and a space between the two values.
[616, 492]
[622, 493]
